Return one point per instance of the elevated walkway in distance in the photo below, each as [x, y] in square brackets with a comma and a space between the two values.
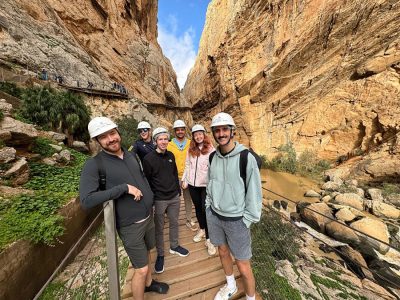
[95, 92]
[196, 277]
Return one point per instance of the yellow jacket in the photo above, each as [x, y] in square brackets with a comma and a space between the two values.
[180, 156]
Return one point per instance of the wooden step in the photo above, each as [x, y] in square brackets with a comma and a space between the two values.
[192, 286]
[210, 294]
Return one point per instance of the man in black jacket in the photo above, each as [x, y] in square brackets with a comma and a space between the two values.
[144, 145]
[127, 185]
[162, 174]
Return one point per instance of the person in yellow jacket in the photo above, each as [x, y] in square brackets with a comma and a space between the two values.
[179, 147]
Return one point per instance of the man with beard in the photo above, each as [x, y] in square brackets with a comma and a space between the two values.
[144, 145]
[179, 147]
[160, 169]
[126, 184]
[232, 205]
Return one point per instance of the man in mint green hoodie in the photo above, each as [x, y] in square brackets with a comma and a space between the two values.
[232, 205]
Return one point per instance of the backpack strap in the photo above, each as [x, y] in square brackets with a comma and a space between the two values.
[211, 156]
[243, 166]
[102, 171]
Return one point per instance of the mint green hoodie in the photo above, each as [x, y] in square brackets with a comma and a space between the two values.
[226, 190]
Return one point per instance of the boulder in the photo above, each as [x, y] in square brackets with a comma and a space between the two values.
[49, 161]
[15, 133]
[19, 172]
[360, 192]
[56, 136]
[377, 289]
[376, 230]
[80, 146]
[7, 154]
[381, 209]
[351, 182]
[337, 174]
[6, 107]
[355, 261]
[326, 198]
[56, 147]
[349, 199]
[389, 273]
[341, 232]
[345, 215]
[317, 215]
[331, 186]
[312, 194]
[65, 155]
[7, 191]
[393, 199]
[375, 194]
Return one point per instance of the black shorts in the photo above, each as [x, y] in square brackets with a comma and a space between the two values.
[138, 239]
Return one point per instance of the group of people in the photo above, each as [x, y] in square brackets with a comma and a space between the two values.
[147, 180]
[119, 87]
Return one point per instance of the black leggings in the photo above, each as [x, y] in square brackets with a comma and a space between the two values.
[198, 195]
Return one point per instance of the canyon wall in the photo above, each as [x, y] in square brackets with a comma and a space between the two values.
[323, 75]
[102, 41]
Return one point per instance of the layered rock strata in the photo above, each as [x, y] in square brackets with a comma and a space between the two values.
[323, 75]
[101, 41]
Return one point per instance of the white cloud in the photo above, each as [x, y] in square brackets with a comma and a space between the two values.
[179, 48]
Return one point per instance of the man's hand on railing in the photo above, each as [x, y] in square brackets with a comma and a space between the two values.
[135, 192]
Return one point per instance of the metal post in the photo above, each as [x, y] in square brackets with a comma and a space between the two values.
[112, 254]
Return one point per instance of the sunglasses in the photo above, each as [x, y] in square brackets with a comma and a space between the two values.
[143, 130]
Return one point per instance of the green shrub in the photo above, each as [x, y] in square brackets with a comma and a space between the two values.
[127, 127]
[41, 146]
[1, 115]
[307, 164]
[11, 88]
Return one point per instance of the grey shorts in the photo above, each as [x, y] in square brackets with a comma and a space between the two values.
[138, 239]
[235, 234]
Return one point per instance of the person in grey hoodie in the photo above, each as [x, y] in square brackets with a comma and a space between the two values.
[126, 184]
[232, 205]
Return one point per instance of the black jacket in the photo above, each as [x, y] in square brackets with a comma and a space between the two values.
[143, 148]
[119, 173]
[162, 174]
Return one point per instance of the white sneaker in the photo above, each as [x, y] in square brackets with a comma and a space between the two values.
[210, 248]
[199, 236]
[192, 225]
[225, 293]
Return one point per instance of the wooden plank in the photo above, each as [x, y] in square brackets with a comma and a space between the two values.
[192, 286]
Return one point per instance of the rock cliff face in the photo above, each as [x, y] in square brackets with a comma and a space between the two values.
[324, 75]
[102, 41]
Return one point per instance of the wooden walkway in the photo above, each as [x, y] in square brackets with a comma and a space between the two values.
[197, 276]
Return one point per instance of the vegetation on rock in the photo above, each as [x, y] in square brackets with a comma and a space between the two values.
[127, 127]
[305, 164]
[34, 217]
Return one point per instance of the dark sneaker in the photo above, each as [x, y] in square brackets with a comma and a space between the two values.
[180, 251]
[159, 266]
[158, 287]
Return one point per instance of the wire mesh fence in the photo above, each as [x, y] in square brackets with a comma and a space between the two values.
[294, 262]
[86, 276]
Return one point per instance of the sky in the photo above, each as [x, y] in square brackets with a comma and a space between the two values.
[180, 24]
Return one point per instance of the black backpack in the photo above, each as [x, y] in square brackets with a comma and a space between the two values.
[102, 170]
[243, 162]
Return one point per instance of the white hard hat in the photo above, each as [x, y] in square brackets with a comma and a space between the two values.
[198, 127]
[221, 119]
[99, 125]
[158, 131]
[143, 125]
[179, 124]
